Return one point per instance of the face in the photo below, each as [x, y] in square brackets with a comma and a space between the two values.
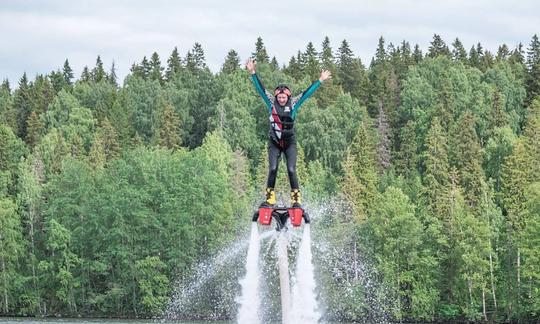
[282, 99]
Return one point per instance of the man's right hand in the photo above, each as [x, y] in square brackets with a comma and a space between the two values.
[250, 65]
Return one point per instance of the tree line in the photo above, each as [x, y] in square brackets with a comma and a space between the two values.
[110, 191]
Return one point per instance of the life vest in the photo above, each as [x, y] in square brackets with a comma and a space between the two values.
[281, 122]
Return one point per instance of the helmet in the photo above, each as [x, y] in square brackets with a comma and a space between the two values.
[282, 89]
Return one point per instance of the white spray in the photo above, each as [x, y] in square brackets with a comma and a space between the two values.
[249, 299]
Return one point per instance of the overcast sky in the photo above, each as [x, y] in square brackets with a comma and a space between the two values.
[37, 36]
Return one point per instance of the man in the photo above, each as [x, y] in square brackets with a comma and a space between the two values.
[282, 109]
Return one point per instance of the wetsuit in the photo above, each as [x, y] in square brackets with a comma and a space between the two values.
[281, 133]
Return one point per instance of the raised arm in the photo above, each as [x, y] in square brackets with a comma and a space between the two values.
[299, 100]
[265, 95]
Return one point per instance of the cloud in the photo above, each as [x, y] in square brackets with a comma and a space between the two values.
[39, 35]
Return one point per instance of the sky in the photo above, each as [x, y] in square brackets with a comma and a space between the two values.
[37, 36]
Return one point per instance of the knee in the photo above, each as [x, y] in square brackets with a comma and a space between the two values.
[272, 169]
[291, 169]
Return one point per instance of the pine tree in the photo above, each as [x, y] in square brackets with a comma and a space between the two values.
[359, 184]
[406, 160]
[96, 156]
[22, 105]
[85, 75]
[293, 69]
[458, 53]
[232, 63]
[260, 54]
[436, 175]
[350, 72]
[109, 137]
[533, 69]
[174, 65]
[467, 158]
[156, 69]
[34, 128]
[438, 47]
[487, 62]
[380, 53]
[169, 131]
[383, 145]
[112, 78]
[474, 57]
[531, 137]
[417, 54]
[198, 56]
[274, 65]
[516, 176]
[67, 73]
[517, 55]
[145, 68]
[312, 66]
[503, 53]
[98, 72]
[326, 56]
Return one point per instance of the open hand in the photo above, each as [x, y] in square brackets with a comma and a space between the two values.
[325, 75]
[250, 65]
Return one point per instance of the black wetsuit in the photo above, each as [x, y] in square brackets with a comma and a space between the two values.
[281, 133]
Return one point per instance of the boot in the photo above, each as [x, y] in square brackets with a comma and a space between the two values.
[296, 198]
[270, 198]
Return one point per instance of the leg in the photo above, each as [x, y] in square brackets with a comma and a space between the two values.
[290, 155]
[274, 152]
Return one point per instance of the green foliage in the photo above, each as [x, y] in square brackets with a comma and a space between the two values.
[11, 249]
[153, 283]
[101, 208]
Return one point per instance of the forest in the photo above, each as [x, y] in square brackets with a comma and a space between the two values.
[110, 190]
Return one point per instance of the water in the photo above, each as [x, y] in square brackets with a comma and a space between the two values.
[284, 283]
[250, 280]
[304, 290]
[249, 300]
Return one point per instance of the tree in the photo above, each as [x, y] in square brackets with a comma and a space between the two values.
[531, 137]
[85, 75]
[466, 158]
[31, 205]
[533, 69]
[438, 47]
[312, 66]
[408, 270]
[326, 56]
[383, 144]
[359, 184]
[260, 54]
[503, 53]
[458, 53]
[111, 146]
[156, 69]
[98, 72]
[350, 72]
[436, 165]
[232, 62]
[67, 73]
[174, 65]
[34, 128]
[22, 105]
[112, 77]
[153, 283]
[169, 130]
[11, 249]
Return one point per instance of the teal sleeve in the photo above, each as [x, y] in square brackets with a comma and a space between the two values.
[305, 95]
[260, 89]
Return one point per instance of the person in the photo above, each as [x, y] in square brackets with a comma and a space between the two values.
[282, 110]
